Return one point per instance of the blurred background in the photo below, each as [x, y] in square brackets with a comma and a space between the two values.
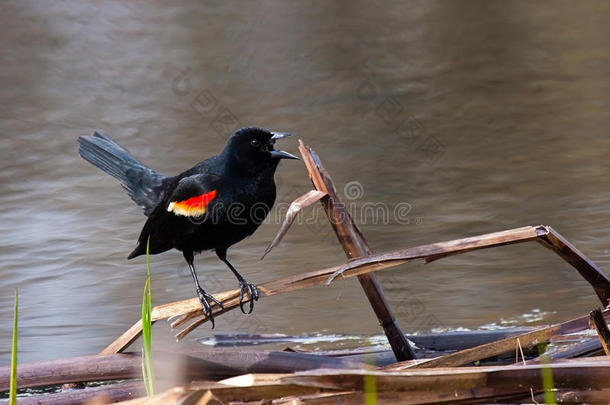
[451, 119]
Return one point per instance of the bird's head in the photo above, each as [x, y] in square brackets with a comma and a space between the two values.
[253, 149]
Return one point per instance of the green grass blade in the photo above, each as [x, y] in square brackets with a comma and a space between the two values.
[547, 377]
[370, 389]
[147, 368]
[370, 383]
[13, 383]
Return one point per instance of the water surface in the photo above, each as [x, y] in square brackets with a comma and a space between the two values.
[472, 116]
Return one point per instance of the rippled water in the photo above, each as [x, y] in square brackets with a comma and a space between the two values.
[472, 116]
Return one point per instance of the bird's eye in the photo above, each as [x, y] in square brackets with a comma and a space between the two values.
[255, 142]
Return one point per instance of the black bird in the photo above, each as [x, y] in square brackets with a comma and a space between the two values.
[213, 205]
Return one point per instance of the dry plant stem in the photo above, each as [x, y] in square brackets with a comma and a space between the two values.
[107, 367]
[197, 364]
[587, 348]
[575, 396]
[172, 396]
[434, 386]
[443, 249]
[573, 373]
[598, 321]
[587, 269]
[296, 206]
[355, 245]
[110, 393]
[546, 235]
[230, 299]
[501, 346]
[415, 386]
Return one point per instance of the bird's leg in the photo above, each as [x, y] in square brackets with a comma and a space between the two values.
[204, 297]
[244, 285]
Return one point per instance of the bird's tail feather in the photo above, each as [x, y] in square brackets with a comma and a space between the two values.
[143, 184]
[106, 154]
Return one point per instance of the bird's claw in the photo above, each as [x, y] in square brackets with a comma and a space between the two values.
[252, 291]
[205, 298]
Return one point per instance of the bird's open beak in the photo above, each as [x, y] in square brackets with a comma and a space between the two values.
[280, 135]
[280, 154]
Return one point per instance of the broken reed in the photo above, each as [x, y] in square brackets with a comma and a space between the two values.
[147, 367]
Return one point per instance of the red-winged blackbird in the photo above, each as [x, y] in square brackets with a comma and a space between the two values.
[213, 205]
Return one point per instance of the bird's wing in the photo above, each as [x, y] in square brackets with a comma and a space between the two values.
[191, 196]
[186, 206]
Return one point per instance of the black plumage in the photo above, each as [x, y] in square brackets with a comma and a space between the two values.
[211, 206]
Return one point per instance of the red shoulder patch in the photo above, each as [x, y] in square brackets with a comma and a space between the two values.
[193, 207]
